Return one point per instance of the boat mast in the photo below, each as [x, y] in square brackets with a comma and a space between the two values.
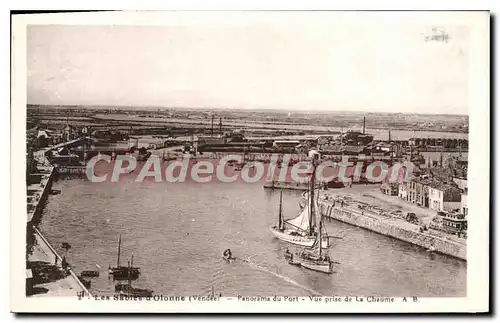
[311, 196]
[244, 153]
[309, 204]
[128, 271]
[319, 239]
[119, 247]
[280, 221]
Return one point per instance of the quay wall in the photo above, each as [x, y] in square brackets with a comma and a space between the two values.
[286, 185]
[34, 215]
[54, 252]
[377, 225]
[46, 184]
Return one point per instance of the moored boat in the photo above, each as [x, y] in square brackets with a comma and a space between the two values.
[335, 183]
[294, 237]
[128, 290]
[301, 229]
[123, 272]
[324, 266]
[89, 273]
[314, 259]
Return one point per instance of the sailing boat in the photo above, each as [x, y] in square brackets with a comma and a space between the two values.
[316, 259]
[301, 228]
[127, 289]
[123, 272]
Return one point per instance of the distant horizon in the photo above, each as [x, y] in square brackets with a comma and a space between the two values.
[284, 110]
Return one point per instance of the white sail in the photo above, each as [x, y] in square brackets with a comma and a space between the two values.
[302, 221]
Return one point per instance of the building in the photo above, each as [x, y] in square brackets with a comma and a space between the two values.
[43, 138]
[202, 142]
[403, 191]
[389, 188]
[349, 138]
[461, 182]
[446, 143]
[29, 282]
[209, 140]
[444, 197]
[382, 149]
[355, 138]
[418, 191]
[463, 203]
[68, 133]
[431, 163]
[63, 156]
[314, 154]
[85, 131]
[286, 143]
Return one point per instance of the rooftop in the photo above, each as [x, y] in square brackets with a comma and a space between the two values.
[442, 186]
[423, 181]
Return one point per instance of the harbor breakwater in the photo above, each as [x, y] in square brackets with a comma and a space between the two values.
[386, 228]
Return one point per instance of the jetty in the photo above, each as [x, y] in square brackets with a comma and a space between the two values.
[298, 186]
[347, 211]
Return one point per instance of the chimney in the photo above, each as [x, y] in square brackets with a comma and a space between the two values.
[364, 124]
[220, 126]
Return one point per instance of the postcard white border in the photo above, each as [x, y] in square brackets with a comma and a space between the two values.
[478, 200]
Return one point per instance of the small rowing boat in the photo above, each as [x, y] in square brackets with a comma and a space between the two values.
[228, 256]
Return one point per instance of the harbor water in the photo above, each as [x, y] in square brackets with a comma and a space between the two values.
[178, 231]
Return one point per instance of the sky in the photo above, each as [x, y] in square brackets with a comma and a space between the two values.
[327, 67]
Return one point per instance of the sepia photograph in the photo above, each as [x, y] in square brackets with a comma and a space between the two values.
[251, 161]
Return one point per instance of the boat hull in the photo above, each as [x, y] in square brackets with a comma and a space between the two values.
[124, 273]
[321, 266]
[305, 241]
[229, 259]
[127, 290]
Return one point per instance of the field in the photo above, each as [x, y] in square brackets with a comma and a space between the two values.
[253, 122]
